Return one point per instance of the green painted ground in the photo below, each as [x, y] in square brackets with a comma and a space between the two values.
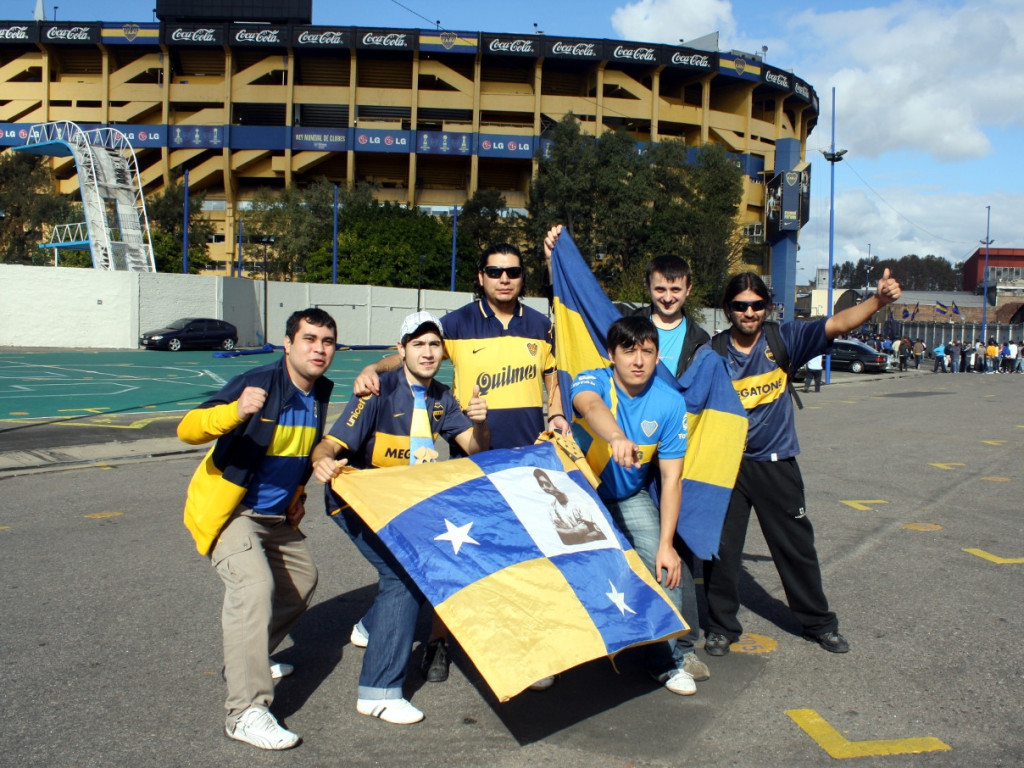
[46, 385]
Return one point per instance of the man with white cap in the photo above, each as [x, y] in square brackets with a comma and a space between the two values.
[396, 426]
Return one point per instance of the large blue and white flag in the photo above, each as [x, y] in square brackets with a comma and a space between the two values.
[519, 558]
[716, 419]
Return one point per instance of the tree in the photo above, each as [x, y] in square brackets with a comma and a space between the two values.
[932, 273]
[623, 204]
[166, 214]
[29, 207]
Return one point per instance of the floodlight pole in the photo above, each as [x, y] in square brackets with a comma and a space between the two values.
[833, 157]
[184, 236]
[984, 306]
[334, 260]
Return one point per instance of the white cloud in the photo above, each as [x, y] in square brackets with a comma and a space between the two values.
[916, 75]
[668, 21]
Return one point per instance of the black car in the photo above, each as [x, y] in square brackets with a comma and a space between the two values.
[857, 357]
[194, 332]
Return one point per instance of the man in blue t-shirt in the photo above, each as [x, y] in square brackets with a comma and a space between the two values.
[382, 430]
[769, 479]
[628, 417]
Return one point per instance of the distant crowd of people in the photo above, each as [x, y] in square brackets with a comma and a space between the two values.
[954, 356]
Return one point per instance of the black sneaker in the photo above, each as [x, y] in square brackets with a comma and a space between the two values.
[831, 641]
[435, 662]
[716, 645]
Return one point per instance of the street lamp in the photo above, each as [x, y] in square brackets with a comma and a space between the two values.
[984, 306]
[832, 156]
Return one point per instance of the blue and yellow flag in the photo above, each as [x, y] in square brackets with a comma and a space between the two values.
[956, 309]
[717, 422]
[940, 307]
[916, 308]
[519, 558]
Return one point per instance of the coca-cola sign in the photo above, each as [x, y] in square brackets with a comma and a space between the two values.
[205, 35]
[75, 34]
[802, 90]
[575, 49]
[249, 35]
[17, 33]
[777, 78]
[687, 57]
[639, 53]
[511, 46]
[321, 37]
[389, 39]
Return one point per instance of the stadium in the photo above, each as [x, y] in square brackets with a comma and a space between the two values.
[428, 116]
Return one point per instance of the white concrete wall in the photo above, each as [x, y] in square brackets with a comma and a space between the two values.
[85, 308]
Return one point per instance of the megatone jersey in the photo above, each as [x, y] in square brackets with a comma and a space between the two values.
[508, 364]
[374, 430]
[761, 385]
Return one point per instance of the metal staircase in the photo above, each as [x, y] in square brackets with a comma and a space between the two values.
[116, 227]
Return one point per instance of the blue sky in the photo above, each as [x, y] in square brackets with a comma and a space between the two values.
[929, 96]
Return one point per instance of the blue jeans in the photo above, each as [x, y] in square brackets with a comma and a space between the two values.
[391, 620]
[640, 522]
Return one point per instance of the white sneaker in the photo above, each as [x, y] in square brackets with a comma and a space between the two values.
[697, 669]
[258, 727]
[359, 638]
[279, 669]
[398, 711]
[678, 681]
[543, 684]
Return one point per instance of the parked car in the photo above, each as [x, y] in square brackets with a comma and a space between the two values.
[857, 357]
[194, 332]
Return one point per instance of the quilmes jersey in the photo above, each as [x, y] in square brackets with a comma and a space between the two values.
[374, 430]
[281, 471]
[655, 420]
[761, 385]
[508, 364]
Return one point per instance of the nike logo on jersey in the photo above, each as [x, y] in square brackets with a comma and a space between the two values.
[396, 415]
[481, 349]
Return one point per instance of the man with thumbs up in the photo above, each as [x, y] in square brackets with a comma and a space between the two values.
[394, 427]
[769, 479]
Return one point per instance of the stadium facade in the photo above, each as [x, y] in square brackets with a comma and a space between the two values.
[430, 116]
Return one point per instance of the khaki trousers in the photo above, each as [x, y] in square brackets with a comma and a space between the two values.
[269, 578]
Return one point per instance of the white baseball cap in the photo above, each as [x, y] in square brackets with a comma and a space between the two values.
[412, 323]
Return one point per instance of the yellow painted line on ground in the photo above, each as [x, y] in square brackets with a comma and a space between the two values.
[137, 424]
[861, 504]
[5, 527]
[922, 527]
[839, 747]
[946, 465]
[996, 479]
[17, 413]
[994, 442]
[995, 558]
[751, 643]
[101, 515]
[83, 410]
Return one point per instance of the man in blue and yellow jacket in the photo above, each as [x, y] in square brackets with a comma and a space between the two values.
[244, 505]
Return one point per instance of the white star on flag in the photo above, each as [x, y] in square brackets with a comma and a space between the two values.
[457, 535]
[618, 598]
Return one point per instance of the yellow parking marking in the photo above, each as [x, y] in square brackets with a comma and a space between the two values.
[107, 423]
[5, 527]
[751, 643]
[101, 515]
[994, 442]
[947, 465]
[17, 413]
[996, 479]
[82, 410]
[861, 504]
[923, 527]
[838, 746]
[995, 558]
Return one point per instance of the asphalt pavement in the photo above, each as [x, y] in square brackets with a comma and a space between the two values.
[111, 644]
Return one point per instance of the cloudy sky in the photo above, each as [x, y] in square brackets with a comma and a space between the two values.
[929, 97]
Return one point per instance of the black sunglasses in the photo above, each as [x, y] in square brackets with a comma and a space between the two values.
[743, 306]
[495, 272]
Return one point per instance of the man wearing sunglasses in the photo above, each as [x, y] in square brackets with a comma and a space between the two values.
[506, 349]
[769, 479]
